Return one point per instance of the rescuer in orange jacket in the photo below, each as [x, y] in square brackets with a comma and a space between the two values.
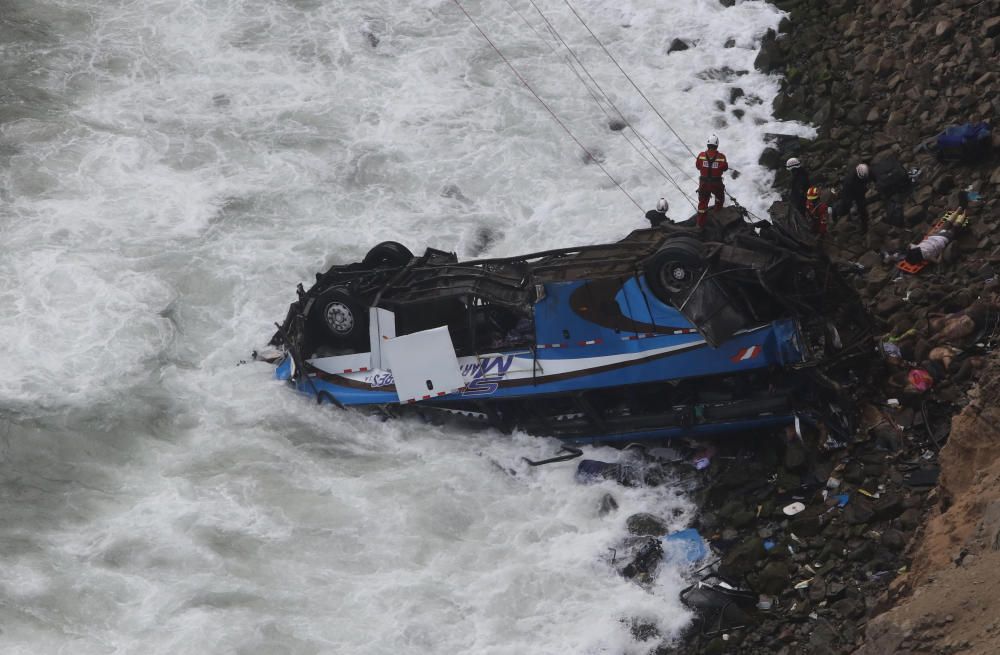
[711, 165]
[818, 212]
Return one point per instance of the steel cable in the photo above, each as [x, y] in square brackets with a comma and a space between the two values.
[544, 104]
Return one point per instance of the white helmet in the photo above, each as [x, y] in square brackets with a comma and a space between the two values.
[862, 171]
[662, 206]
[713, 141]
[792, 163]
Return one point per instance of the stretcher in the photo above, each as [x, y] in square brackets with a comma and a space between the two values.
[954, 216]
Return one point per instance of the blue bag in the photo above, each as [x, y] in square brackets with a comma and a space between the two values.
[967, 142]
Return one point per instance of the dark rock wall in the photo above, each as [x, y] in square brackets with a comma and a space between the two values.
[885, 77]
[880, 79]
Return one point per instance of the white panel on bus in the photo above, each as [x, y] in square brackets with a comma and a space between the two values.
[423, 365]
[381, 328]
[356, 363]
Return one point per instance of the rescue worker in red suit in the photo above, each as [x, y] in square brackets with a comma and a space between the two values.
[711, 165]
[817, 212]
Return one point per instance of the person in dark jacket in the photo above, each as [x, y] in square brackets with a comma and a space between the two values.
[852, 192]
[798, 185]
[658, 215]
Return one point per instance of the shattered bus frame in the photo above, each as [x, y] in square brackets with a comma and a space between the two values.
[669, 332]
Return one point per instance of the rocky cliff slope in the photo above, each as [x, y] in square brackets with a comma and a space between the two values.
[880, 79]
[906, 560]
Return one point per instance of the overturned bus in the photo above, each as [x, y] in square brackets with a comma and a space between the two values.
[670, 332]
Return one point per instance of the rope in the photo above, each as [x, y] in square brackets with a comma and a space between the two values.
[607, 98]
[657, 166]
[547, 108]
[634, 85]
[648, 102]
[642, 139]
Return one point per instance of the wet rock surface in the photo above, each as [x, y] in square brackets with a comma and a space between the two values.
[827, 536]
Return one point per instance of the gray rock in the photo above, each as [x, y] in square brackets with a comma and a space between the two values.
[857, 115]
[644, 524]
[773, 579]
[806, 524]
[888, 507]
[743, 557]
[909, 519]
[824, 113]
[849, 608]
[835, 591]
[945, 29]
[770, 58]
[795, 456]
[770, 158]
[944, 183]
[894, 540]
[858, 511]
[991, 27]
[677, 45]
[817, 589]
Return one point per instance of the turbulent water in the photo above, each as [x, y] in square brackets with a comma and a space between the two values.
[169, 171]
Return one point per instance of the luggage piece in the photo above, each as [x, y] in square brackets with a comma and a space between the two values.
[967, 142]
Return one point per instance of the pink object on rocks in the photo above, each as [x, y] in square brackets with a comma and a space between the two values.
[920, 379]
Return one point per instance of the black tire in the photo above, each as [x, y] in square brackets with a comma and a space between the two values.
[675, 268]
[388, 254]
[339, 320]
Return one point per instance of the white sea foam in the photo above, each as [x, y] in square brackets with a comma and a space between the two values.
[175, 170]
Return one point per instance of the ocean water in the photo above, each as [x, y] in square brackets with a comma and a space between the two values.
[170, 170]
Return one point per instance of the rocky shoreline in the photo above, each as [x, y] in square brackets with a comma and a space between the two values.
[899, 524]
[883, 79]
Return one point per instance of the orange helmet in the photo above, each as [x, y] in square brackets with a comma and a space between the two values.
[812, 193]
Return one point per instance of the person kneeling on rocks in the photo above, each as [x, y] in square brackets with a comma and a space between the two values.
[852, 192]
[658, 215]
[817, 212]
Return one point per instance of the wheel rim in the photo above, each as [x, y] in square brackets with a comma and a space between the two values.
[339, 318]
[675, 277]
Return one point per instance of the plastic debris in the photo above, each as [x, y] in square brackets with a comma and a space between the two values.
[703, 458]
[793, 509]
[768, 545]
[892, 402]
[832, 482]
[842, 499]
[920, 379]
[688, 543]
[891, 350]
